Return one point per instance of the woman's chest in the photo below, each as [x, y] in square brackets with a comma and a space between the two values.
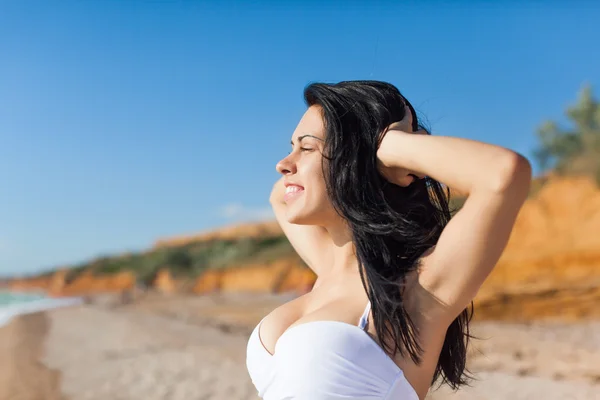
[318, 305]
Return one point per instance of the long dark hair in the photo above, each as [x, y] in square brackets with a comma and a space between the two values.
[392, 226]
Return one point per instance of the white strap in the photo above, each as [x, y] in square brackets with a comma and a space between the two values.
[364, 319]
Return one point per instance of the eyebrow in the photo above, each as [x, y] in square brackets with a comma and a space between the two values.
[303, 136]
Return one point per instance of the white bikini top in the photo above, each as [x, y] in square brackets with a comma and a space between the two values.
[325, 360]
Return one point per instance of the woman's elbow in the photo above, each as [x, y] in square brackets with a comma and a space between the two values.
[515, 175]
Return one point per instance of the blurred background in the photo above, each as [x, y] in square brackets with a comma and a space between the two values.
[138, 143]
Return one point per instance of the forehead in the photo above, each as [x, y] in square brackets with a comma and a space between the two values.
[311, 123]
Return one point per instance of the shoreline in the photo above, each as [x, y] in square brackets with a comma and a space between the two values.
[13, 310]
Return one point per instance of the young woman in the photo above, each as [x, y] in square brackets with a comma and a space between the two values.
[360, 200]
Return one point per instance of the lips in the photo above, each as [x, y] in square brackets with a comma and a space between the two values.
[292, 191]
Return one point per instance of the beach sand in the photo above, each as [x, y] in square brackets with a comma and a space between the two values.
[23, 376]
[194, 348]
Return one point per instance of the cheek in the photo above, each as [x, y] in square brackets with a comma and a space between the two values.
[311, 174]
[318, 189]
[317, 180]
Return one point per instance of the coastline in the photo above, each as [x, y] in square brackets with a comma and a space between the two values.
[41, 303]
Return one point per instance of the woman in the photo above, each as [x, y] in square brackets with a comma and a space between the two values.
[360, 200]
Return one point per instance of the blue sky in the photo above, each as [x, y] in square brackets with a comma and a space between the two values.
[125, 121]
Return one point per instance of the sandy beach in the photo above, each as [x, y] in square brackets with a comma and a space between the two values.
[23, 376]
[194, 348]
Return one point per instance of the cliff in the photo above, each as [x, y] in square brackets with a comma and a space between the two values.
[551, 266]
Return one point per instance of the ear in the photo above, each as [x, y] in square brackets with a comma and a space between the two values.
[408, 119]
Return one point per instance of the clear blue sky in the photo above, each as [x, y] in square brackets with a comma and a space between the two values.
[125, 121]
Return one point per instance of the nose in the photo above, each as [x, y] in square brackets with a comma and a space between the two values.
[286, 166]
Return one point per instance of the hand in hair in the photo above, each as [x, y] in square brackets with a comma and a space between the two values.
[390, 171]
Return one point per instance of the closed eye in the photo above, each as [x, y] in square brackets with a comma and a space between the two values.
[301, 149]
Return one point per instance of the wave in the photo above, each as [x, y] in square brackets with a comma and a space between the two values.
[27, 304]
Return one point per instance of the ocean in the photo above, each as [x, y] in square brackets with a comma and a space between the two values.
[15, 303]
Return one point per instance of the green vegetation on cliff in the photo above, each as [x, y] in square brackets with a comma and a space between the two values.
[191, 259]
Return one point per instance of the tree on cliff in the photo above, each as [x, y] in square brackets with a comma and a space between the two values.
[573, 150]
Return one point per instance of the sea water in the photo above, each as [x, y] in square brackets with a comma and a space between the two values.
[16, 303]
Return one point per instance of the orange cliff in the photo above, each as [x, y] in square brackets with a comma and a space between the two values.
[284, 275]
[556, 238]
[551, 266]
[56, 284]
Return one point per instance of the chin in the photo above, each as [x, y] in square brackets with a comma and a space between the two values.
[300, 214]
[299, 218]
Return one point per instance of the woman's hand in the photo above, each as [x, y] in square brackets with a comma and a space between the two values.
[389, 166]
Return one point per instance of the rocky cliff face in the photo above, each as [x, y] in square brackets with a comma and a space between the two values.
[551, 266]
[556, 239]
[86, 283]
[283, 275]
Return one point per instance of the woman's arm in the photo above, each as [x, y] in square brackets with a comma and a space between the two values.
[462, 164]
[312, 243]
[496, 181]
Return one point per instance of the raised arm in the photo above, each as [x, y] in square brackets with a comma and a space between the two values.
[497, 183]
[312, 243]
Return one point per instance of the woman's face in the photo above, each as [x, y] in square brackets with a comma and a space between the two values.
[306, 194]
